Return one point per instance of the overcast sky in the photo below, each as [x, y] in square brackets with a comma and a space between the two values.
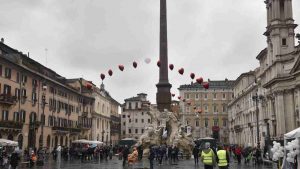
[215, 39]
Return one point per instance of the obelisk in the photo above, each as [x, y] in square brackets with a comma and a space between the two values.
[163, 95]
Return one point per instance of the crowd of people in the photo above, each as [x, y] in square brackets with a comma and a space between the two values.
[210, 156]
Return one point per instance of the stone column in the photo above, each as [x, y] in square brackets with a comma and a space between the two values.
[280, 114]
[289, 108]
[289, 6]
[276, 9]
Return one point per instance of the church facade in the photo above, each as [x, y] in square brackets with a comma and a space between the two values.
[277, 79]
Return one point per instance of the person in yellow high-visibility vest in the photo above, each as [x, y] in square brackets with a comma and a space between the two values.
[222, 158]
[208, 157]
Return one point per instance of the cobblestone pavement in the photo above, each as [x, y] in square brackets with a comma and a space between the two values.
[117, 164]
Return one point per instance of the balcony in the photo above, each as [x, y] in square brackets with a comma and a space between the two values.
[11, 124]
[66, 129]
[8, 99]
[84, 114]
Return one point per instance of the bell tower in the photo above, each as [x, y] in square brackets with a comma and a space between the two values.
[280, 28]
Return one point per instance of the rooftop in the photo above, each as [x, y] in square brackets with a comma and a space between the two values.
[213, 84]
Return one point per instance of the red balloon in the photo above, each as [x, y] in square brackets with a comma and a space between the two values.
[121, 67]
[89, 86]
[206, 85]
[181, 71]
[195, 108]
[173, 95]
[158, 63]
[102, 76]
[192, 75]
[179, 97]
[110, 72]
[199, 111]
[183, 100]
[134, 64]
[171, 66]
[199, 80]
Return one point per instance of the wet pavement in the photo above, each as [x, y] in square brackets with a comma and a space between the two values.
[144, 164]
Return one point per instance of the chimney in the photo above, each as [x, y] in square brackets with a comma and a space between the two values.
[2, 40]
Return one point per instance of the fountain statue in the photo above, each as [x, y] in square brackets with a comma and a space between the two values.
[166, 129]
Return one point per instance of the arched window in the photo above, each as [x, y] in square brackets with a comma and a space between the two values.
[61, 140]
[10, 137]
[48, 141]
[20, 141]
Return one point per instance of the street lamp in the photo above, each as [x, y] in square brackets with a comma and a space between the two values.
[257, 98]
[41, 151]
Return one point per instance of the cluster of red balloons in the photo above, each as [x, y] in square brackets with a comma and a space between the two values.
[171, 67]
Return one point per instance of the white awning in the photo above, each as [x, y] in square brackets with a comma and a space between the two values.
[292, 134]
[4, 142]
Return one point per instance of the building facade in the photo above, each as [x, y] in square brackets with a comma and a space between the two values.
[212, 103]
[277, 80]
[37, 106]
[242, 111]
[135, 116]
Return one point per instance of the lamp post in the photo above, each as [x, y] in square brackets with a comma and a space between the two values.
[256, 98]
[41, 151]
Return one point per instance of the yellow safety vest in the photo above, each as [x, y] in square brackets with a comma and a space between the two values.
[222, 158]
[207, 157]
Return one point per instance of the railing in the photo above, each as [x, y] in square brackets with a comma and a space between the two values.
[11, 124]
[7, 99]
[72, 130]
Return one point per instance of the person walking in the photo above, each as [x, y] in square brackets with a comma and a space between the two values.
[196, 155]
[125, 153]
[151, 157]
[58, 152]
[14, 159]
[222, 158]
[208, 157]
[238, 153]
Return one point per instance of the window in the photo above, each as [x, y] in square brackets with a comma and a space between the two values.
[283, 42]
[5, 115]
[7, 90]
[17, 93]
[197, 123]
[129, 106]
[142, 113]
[224, 122]
[206, 122]
[187, 96]
[23, 116]
[34, 82]
[16, 116]
[215, 95]
[23, 92]
[136, 131]
[24, 78]
[224, 108]
[136, 120]
[187, 109]
[129, 131]
[224, 96]
[206, 108]
[8, 73]
[136, 105]
[142, 120]
[124, 132]
[196, 96]
[216, 122]
[215, 108]
[205, 96]
[0, 70]
[129, 120]
[187, 122]
[34, 98]
[142, 131]
[18, 77]
[149, 120]
[43, 119]
[124, 123]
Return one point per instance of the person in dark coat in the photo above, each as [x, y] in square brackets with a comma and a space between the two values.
[196, 155]
[151, 157]
[125, 153]
[14, 159]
